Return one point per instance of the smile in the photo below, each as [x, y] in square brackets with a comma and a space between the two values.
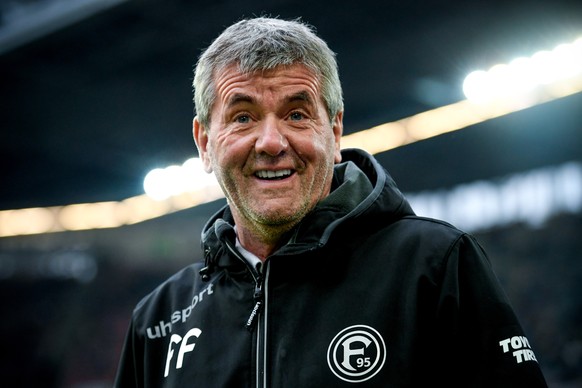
[269, 174]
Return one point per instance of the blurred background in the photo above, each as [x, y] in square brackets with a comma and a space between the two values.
[94, 94]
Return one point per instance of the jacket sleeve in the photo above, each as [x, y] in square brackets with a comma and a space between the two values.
[484, 340]
[130, 369]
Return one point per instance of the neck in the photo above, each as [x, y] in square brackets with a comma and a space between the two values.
[262, 240]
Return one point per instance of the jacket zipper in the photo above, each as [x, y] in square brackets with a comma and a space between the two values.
[258, 316]
[262, 334]
[259, 300]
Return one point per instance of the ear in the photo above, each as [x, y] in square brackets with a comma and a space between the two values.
[338, 129]
[201, 140]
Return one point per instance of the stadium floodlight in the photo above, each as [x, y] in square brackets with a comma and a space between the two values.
[524, 75]
[518, 85]
[163, 183]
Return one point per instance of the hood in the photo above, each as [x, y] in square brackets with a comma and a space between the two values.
[362, 188]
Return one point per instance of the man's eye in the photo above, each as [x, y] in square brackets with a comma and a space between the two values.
[296, 116]
[243, 119]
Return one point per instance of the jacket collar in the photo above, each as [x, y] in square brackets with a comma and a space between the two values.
[362, 188]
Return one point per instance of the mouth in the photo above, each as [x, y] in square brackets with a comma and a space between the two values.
[273, 175]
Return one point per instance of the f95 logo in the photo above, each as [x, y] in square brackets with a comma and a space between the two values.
[356, 354]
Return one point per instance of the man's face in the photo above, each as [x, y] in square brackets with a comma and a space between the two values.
[270, 144]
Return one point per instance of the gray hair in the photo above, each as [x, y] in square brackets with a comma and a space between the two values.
[261, 44]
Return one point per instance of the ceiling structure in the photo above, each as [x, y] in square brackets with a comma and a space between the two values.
[91, 105]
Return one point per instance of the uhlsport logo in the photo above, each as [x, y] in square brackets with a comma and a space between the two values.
[356, 354]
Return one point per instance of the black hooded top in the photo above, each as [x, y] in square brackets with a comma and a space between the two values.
[362, 293]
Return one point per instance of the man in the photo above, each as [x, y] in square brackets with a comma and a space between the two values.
[317, 273]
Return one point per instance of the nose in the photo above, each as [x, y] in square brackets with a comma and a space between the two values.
[270, 139]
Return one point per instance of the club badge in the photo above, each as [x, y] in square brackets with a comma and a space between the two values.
[356, 354]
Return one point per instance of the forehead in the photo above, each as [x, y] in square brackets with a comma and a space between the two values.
[282, 79]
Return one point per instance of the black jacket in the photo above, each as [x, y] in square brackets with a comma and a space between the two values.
[364, 293]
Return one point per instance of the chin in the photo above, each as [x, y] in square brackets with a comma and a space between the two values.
[279, 217]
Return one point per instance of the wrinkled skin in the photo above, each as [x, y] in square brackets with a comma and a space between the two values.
[265, 124]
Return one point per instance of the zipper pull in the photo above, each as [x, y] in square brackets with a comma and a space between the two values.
[250, 325]
[258, 306]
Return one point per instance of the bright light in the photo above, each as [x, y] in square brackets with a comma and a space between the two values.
[181, 187]
[163, 183]
[477, 86]
[196, 177]
[523, 75]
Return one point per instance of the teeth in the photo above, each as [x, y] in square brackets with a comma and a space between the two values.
[268, 174]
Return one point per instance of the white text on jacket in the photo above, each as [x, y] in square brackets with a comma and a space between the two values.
[164, 328]
[185, 347]
[521, 350]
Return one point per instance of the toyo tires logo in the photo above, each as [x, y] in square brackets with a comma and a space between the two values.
[356, 354]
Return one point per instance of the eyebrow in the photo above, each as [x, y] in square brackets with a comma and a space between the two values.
[238, 98]
[300, 96]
